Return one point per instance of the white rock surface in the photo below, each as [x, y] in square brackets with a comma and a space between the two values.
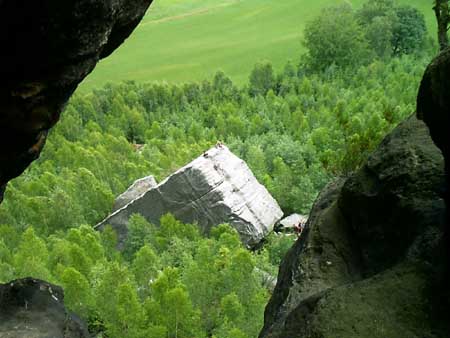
[138, 188]
[217, 187]
[292, 220]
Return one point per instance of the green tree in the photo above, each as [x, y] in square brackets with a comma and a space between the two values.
[77, 292]
[409, 30]
[139, 232]
[117, 301]
[441, 10]
[379, 33]
[335, 38]
[145, 268]
[6, 270]
[261, 79]
[31, 258]
[182, 320]
[373, 9]
[232, 309]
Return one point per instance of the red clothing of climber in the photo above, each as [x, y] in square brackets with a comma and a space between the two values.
[298, 228]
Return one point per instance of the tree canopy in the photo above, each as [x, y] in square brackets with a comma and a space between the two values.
[343, 37]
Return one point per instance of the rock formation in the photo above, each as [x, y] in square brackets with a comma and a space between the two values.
[48, 47]
[290, 222]
[215, 188]
[433, 107]
[138, 188]
[32, 308]
[366, 265]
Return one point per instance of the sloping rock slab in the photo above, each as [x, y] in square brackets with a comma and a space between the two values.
[346, 272]
[31, 308]
[292, 221]
[138, 188]
[215, 188]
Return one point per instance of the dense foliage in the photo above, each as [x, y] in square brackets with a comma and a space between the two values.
[172, 282]
[345, 37]
[296, 130]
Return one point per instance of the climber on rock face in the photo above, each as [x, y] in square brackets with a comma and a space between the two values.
[219, 144]
[298, 228]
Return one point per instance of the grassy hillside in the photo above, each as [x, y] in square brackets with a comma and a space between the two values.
[185, 40]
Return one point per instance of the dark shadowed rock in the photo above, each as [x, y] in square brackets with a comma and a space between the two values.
[138, 188]
[323, 257]
[48, 47]
[433, 107]
[370, 241]
[31, 308]
[217, 187]
[433, 101]
[396, 196]
[390, 304]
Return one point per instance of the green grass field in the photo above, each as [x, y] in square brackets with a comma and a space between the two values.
[186, 40]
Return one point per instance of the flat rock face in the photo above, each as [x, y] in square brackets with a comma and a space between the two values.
[215, 188]
[31, 308]
[367, 261]
[139, 187]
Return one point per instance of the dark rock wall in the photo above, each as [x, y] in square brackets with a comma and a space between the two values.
[395, 197]
[433, 107]
[392, 217]
[367, 238]
[48, 47]
[31, 308]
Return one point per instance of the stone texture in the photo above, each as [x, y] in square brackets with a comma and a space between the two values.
[393, 303]
[396, 196]
[31, 308]
[215, 188]
[48, 47]
[433, 101]
[366, 237]
[138, 188]
[291, 221]
[433, 107]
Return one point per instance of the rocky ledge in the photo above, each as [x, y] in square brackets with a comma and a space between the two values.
[48, 48]
[31, 308]
[369, 261]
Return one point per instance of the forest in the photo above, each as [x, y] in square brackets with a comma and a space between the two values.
[319, 118]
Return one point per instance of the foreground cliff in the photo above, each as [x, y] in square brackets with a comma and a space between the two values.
[31, 308]
[375, 257]
[48, 47]
[369, 259]
[217, 187]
